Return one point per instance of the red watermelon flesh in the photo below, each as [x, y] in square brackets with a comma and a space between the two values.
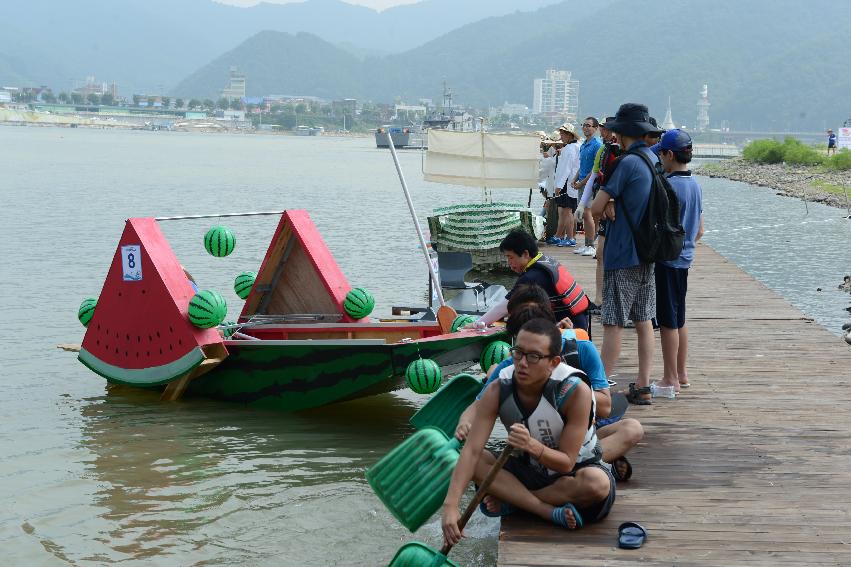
[140, 333]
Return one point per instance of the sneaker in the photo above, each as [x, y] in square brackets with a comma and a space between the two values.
[569, 242]
[561, 243]
[589, 251]
[579, 250]
[552, 240]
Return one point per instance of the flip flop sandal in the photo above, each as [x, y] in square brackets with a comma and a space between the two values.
[616, 472]
[559, 517]
[634, 395]
[686, 385]
[505, 509]
[631, 535]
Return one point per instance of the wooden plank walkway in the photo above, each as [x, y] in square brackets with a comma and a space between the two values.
[751, 465]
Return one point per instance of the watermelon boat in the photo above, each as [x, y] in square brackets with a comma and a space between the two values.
[295, 347]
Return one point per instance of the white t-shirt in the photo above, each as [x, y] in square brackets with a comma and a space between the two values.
[568, 167]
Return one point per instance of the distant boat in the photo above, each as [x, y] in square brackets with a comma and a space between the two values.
[402, 136]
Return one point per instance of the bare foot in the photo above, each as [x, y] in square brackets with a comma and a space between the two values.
[564, 517]
[493, 504]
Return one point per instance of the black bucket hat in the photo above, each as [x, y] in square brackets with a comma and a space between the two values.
[631, 120]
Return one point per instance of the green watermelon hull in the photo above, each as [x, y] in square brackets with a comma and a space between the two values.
[295, 377]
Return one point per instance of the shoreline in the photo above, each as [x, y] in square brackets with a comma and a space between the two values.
[813, 182]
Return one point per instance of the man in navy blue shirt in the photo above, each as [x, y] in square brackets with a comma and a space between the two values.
[831, 142]
[629, 287]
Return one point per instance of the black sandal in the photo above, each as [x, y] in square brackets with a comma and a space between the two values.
[627, 474]
[634, 395]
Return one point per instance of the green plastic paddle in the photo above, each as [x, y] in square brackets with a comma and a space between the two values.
[417, 554]
[413, 478]
[445, 407]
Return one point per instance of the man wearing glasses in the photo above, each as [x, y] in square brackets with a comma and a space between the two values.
[558, 476]
[587, 153]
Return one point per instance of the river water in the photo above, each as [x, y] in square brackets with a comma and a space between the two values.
[89, 478]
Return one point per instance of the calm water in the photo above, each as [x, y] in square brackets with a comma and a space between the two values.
[88, 478]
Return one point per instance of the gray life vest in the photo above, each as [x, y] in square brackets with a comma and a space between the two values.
[546, 423]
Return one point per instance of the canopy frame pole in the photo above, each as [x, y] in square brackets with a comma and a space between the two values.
[434, 279]
[219, 215]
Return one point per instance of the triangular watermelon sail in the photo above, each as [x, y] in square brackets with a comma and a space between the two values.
[140, 333]
[298, 275]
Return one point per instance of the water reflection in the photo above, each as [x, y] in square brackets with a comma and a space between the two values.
[211, 479]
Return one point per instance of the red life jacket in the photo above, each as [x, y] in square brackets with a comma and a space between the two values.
[569, 293]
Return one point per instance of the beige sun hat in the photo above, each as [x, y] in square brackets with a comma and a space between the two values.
[569, 128]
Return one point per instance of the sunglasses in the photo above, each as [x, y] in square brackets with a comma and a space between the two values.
[531, 357]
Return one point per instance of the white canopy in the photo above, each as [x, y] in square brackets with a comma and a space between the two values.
[479, 159]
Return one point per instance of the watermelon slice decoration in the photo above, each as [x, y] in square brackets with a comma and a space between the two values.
[140, 333]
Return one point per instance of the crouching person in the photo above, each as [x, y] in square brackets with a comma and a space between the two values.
[558, 474]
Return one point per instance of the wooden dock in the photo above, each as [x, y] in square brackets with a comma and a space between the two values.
[751, 465]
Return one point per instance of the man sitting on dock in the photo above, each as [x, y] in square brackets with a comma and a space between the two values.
[558, 476]
[566, 295]
[620, 435]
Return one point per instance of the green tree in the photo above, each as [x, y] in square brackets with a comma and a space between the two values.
[179, 103]
[48, 97]
[194, 103]
[222, 103]
[64, 98]
[107, 100]
[209, 104]
[93, 99]
[301, 108]
[166, 101]
[137, 99]
[77, 98]
[236, 104]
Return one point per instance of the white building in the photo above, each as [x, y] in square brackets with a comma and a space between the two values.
[703, 109]
[236, 85]
[555, 94]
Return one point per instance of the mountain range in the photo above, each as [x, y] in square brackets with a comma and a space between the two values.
[773, 64]
[148, 46]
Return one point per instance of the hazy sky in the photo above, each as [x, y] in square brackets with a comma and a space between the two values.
[374, 4]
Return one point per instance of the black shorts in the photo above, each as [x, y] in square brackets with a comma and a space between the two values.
[671, 287]
[533, 479]
[566, 202]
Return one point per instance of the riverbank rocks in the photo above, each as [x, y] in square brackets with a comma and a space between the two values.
[788, 180]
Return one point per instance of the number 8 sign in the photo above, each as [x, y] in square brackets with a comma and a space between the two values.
[131, 262]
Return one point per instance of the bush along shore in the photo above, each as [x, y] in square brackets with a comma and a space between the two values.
[791, 168]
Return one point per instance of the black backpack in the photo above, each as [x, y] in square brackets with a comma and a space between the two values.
[659, 235]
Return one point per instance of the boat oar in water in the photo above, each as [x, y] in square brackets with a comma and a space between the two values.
[417, 554]
[412, 479]
[446, 406]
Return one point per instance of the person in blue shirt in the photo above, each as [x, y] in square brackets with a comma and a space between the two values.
[674, 150]
[587, 153]
[831, 142]
[629, 287]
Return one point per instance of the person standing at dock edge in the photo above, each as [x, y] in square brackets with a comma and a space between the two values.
[629, 287]
[674, 151]
[566, 172]
[831, 142]
[567, 298]
[587, 153]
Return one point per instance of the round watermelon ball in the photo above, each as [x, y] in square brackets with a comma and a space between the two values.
[494, 353]
[243, 283]
[423, 376]
[87, 310]
[207, 308]
[359, 303]
[219, 241]
[462, 321]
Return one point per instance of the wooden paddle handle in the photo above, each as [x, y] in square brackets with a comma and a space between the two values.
[480, 493]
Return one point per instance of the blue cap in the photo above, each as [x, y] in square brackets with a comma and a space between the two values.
[674, 140]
